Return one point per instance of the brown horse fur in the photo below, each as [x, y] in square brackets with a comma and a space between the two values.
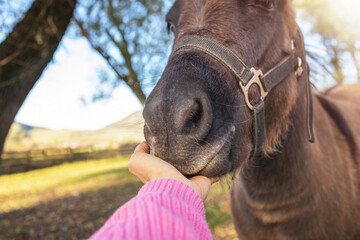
[298, 190]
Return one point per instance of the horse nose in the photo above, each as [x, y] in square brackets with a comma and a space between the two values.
[178, 115]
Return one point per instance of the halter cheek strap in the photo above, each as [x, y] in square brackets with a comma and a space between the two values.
[247, 77]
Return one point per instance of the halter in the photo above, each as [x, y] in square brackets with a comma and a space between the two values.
[249, 76]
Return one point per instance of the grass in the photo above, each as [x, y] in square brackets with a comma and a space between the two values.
[72, 200]
[29, 189]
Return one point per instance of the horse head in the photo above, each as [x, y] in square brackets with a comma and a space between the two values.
[198, 117]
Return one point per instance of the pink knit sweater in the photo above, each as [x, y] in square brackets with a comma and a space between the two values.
[163, 209]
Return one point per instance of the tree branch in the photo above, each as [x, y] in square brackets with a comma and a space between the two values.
[124, 48]
[100, 50]
[352, 50]
[132, 80]
[322, 65]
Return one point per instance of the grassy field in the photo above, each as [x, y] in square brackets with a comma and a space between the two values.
[72, 200]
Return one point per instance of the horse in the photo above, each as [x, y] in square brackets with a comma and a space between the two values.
[293, 151]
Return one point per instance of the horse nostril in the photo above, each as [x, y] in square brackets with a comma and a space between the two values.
[173, 119]
[194, 115]
[195, 118]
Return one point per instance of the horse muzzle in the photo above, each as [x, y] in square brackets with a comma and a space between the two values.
[183, 127]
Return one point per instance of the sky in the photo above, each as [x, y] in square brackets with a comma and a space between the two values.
[55, 101]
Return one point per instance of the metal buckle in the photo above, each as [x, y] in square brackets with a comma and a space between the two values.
[299, 70]
[254, 80]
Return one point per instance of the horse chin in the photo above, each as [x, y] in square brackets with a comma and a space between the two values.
[214, 165]
[220, 165]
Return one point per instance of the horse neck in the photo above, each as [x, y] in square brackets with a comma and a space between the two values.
[286, 171]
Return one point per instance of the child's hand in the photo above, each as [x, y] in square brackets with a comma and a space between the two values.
[147, 167]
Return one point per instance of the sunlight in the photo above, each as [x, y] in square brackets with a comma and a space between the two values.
[348, 11]
[66, 180]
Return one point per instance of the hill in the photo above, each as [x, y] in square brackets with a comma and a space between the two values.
[23, 137]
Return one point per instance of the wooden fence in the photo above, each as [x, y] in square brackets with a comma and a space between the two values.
[13, 162]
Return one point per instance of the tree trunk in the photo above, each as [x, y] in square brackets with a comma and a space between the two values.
[25, 53]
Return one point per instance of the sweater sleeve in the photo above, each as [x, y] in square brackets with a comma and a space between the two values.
[163, 209]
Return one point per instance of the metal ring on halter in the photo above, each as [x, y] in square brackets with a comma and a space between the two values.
[254, 80]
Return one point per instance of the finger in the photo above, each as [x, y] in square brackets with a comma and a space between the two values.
[147, 167]
[139, 155]
[142, 148]
[136, 165]
[201, 185]
[214, 180]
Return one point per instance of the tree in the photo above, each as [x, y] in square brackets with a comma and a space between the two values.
[335, 21]
[25, 53]
[130, 36]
